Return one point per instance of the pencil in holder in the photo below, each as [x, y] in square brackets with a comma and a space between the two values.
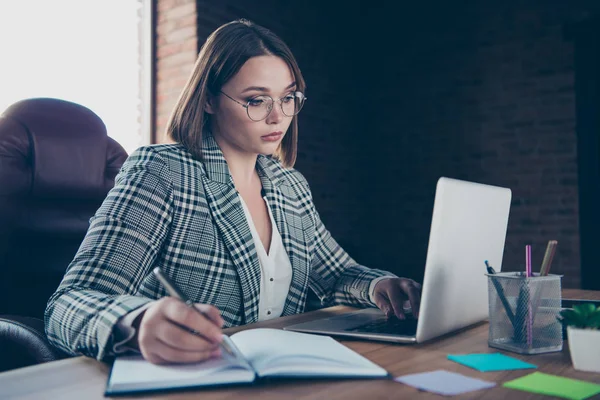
[523, 312]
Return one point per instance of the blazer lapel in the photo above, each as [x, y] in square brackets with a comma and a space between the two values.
[228, 214]
[284, 206]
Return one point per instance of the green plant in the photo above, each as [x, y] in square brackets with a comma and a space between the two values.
[585, 316]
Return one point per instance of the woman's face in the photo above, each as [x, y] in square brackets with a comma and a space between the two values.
[231, 126]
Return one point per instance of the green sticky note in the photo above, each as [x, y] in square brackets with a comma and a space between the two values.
[553, 385]
[490, 362]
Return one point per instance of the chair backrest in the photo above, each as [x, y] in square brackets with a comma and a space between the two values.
[56, 166]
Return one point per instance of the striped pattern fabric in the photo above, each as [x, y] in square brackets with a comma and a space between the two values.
[170, 210]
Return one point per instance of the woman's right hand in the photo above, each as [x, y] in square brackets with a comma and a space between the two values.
[163, 332]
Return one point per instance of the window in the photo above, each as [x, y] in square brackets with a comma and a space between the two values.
[91, 52]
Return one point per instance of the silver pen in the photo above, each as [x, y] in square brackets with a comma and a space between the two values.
[174, 292]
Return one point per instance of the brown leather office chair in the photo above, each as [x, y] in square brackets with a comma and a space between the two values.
[56, 166]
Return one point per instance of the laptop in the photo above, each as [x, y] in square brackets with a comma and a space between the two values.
[468, 226]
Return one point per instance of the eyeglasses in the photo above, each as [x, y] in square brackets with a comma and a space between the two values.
[259, 108]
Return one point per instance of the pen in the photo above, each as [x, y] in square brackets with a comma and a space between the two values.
[500, 290]
[528, 261]
[544, 271]
[526, 293]
[174, 292]
[548, 256]
[522, 318]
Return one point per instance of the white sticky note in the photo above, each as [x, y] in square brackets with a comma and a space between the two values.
[444, 382]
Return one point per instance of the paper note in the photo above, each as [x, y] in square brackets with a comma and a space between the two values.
[444, 382]
[553, 385]
[490, 362]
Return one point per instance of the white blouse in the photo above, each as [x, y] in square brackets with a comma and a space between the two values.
[275, 268]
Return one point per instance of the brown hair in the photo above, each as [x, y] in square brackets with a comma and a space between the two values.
[221, 57]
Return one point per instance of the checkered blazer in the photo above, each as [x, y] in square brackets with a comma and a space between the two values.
[170, 210]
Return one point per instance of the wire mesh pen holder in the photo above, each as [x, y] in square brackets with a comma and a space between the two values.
[523, 312]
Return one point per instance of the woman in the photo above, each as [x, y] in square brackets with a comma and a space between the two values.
[222, 212]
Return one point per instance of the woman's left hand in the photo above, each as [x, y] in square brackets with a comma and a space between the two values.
[391, 294]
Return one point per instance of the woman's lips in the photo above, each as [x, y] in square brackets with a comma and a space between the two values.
[272, 137]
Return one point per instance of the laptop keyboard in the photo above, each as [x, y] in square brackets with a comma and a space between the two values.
[393, 326]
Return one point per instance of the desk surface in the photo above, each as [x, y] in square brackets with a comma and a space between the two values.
[85, 378]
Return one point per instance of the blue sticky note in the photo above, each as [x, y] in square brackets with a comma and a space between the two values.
[444, 382]
[490, 362]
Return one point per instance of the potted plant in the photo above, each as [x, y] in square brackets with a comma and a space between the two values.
[583, 332]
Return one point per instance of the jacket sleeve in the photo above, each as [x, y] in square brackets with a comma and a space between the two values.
[335, 277]
[122, 242]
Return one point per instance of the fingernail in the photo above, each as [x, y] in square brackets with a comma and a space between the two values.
[216, 353]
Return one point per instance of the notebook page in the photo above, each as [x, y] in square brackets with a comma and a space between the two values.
[132, 373]
[279, 352]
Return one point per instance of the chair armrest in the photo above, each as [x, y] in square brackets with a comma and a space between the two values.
[23, 342]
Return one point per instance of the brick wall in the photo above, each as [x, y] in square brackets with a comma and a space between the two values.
[401, 95]
[176, 51]
[484, 93]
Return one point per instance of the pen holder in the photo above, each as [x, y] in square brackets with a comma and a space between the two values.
[523, 312]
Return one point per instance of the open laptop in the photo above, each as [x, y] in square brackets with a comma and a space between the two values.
[468, 226]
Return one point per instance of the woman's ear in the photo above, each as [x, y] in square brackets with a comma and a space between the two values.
[209, 106]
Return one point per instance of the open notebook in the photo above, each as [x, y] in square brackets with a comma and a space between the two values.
[260, 353]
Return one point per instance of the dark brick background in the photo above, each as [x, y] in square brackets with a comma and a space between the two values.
[401, 94]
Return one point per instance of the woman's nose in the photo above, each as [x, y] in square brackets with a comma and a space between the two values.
[276, 114]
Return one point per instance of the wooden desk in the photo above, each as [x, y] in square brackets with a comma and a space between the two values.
[84, 378]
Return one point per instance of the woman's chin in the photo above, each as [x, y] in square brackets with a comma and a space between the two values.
[269, 149]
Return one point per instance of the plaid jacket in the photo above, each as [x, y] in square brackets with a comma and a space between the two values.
[170, 210]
